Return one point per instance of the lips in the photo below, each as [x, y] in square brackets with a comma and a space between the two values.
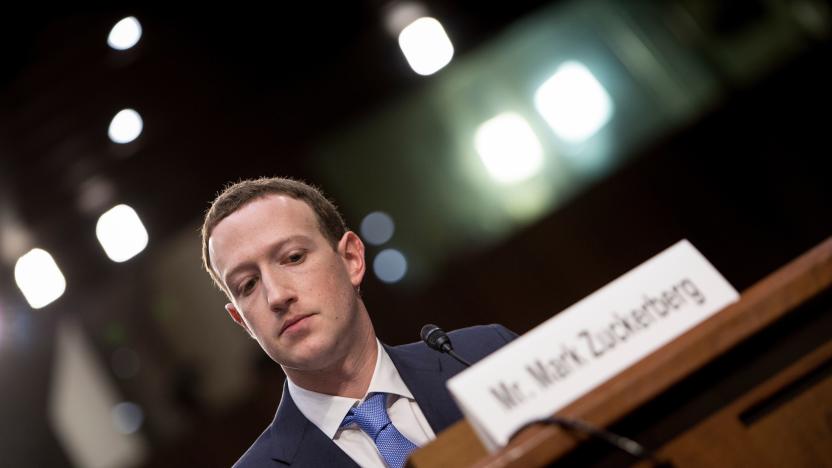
[291, 321]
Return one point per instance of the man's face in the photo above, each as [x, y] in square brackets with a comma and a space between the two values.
[289, 288]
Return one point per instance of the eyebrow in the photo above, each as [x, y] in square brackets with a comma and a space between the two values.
[249, 264]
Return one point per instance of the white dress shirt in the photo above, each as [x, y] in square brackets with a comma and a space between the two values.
[327, 411]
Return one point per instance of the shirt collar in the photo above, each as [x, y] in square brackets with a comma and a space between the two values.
[327, 411]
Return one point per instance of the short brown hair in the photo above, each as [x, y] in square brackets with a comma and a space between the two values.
[239, 194]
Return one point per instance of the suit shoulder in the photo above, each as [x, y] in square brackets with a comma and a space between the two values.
[492, 331]
[474, 342]
[488, 332]
[257, 454]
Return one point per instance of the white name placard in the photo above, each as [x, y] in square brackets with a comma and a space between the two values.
[578, 349]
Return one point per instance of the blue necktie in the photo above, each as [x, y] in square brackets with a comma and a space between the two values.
[371, 416]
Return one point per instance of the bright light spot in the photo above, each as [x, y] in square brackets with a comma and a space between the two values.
[377, 228]
[125, 34]
[390, 265]
[426, 46]
[126, 126]
[127, 417]
[573, 102]
[121, 233]
[39, 278]
[509, 148]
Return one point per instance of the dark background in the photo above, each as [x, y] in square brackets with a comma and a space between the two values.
[747, 182]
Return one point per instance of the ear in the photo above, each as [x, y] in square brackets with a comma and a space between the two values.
[235, 315]
[351, 250]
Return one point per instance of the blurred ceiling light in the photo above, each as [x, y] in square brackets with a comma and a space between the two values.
[377, 228]
[39, 278]
[390, 265]
[573, 102]
[509, 148]
[15, 239]
[398, 14]
[125, 34]
[426, 46]
[81, 402]
[94, 194]
[121, 233]
[127, 417]
[126, 126]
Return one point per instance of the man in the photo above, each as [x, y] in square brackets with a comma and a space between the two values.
[291, 270]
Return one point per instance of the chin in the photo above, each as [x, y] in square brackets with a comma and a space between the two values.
[312, 357]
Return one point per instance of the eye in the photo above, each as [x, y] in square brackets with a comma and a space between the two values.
[296, 257]
[248, 286]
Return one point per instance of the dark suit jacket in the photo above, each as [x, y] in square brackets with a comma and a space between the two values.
[291, 439]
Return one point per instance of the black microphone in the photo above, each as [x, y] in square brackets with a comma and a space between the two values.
[437, 339]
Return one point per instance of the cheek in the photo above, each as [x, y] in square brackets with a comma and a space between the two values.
[329, 286]
[252, 312]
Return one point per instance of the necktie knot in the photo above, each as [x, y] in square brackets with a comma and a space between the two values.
[371, 416]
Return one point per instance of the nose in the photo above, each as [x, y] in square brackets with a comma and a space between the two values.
[279, 290]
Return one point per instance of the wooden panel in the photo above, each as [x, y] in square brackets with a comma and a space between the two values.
[794, 429]
[800, 431]
[759, 306]
[457, 446]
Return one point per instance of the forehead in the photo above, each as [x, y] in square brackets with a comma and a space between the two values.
[264, 219]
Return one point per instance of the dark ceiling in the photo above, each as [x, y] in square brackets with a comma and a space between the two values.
[224, 93]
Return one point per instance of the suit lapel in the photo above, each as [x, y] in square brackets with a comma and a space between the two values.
[425, 374]
[298, 441]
